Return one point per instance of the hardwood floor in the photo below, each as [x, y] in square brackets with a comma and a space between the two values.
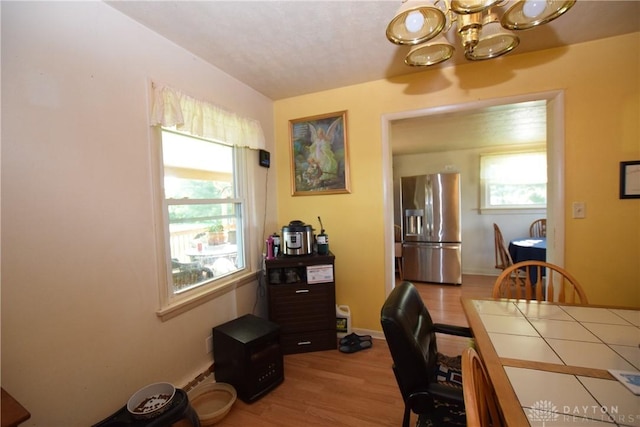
[330, 388]
[443, 303]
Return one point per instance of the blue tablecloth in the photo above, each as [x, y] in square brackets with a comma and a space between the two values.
[527, 249]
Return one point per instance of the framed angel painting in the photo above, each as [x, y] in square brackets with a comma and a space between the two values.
[319, 155]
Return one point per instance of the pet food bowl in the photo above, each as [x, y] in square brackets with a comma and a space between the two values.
[212, 401]
[151, 400]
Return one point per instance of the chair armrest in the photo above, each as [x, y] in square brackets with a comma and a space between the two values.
[421, 401]
[446, 392]
[460, 331]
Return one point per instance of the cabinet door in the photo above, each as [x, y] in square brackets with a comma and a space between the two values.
[300, 307]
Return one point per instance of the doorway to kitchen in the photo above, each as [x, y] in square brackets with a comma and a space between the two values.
[554, 106]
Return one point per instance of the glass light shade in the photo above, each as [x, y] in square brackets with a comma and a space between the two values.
[404, 28]
[533, 8]
[472, 6]
[414, 21]
[430, 53]
[494, 41]
[527, 14]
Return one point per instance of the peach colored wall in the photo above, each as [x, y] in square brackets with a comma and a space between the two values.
[79, 272]
[602, 112]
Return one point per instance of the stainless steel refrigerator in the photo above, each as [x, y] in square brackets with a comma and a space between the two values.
[431, 230]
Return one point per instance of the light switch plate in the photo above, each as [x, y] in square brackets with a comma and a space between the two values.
[579, 210]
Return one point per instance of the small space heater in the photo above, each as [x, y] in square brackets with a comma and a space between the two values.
[247, 355]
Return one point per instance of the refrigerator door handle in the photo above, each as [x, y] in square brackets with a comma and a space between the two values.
[428, 198]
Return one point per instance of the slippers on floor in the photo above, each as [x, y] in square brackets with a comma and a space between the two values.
[355, 345]
[354, 338]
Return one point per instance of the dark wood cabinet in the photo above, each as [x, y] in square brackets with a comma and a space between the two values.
[302, 300]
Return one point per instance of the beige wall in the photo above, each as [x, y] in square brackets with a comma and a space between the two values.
[79, 286]
[602, 113]
[79, 272]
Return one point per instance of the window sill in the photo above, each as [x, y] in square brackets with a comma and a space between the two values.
[198, 298]
[512, 211]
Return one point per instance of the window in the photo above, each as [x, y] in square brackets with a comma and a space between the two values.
[203, 210]
[513, 180]
[202, 198]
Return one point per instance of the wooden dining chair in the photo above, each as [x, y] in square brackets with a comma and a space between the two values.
[503, 259]
[480, 401]
[397, 232]
[530, 279]
[538, 228]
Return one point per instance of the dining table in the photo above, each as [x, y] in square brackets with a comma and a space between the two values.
[12, 411]
[551, 364]
[207, 255]
[528, 249]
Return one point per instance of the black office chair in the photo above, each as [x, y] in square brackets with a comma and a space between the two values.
[411, 337]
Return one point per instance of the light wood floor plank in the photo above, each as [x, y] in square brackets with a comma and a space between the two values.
[330, 388]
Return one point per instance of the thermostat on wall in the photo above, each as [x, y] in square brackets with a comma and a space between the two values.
[264, 158]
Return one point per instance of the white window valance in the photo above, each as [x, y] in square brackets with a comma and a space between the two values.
[170, 107]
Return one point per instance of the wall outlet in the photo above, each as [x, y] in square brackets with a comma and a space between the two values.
[579, 210]
[208, 344]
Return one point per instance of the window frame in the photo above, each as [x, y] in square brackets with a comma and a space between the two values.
[174, 303]
[484, 193]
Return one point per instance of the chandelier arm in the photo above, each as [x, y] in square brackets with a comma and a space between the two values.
[467, 7]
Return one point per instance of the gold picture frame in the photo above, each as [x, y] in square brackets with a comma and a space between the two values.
[319, 155]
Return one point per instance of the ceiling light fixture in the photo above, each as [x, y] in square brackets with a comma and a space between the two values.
[482, 32]
[430, 53]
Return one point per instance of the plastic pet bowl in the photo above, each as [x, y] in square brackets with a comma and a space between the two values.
[212, 401]
[150, 401]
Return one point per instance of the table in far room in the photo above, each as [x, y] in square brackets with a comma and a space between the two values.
[528, 249]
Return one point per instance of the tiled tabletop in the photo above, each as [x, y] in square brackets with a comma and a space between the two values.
[566, 400]
[590, 337]
[556, 359]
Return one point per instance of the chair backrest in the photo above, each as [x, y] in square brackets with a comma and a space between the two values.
[398, 249]
[397, 233]
[529, 279]
[503, 259]
[538, 228]
[480, 401]
[408, 329]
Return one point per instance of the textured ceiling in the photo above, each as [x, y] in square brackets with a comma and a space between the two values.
[289, 48]
[521, 123]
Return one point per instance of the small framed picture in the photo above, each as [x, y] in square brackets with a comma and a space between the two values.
[319, 155]
[630, 179]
